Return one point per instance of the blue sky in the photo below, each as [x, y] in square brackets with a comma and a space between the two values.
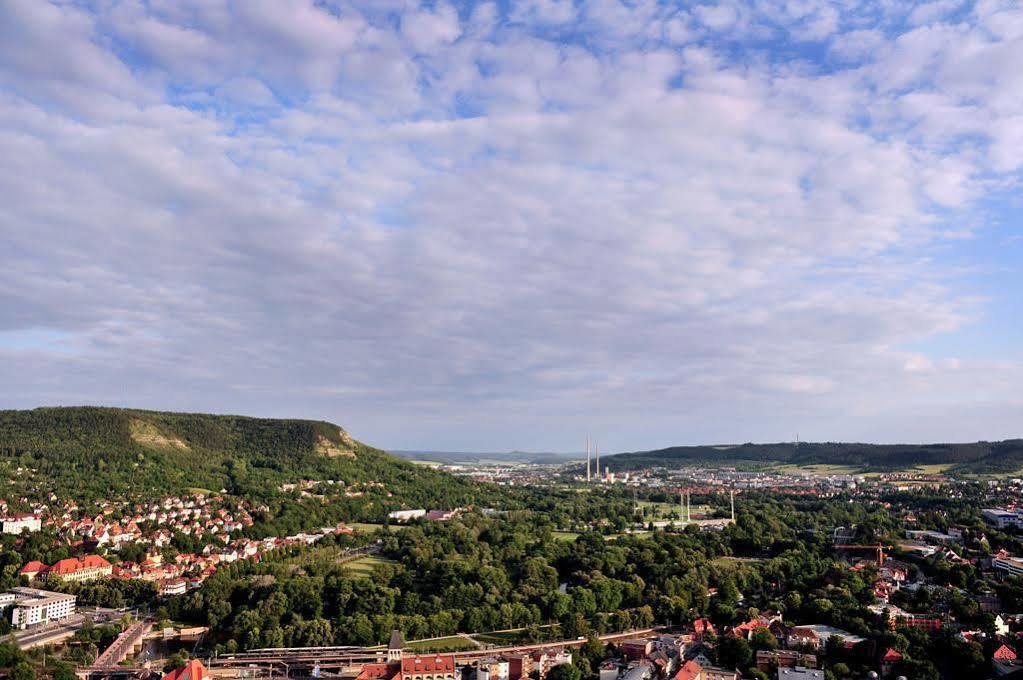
[506, 226]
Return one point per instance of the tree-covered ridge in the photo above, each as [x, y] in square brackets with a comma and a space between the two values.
[93, 452]
[976, 456]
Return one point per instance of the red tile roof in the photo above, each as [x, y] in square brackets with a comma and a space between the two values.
[1004, 653]
[703, 626]
[33, 567]
[440, 663]
[689, 671]
[74, 564]
[379, 671]
[193, 670]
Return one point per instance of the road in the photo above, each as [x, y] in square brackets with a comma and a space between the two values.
[57, 631]
[49, 633]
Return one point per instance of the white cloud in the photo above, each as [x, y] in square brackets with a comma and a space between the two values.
[428, 29]
[543, 11]
[380, 213]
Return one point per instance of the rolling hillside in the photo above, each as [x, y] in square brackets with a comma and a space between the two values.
[91, 452]
[980, 457]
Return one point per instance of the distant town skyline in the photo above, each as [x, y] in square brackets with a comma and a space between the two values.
[481, 226]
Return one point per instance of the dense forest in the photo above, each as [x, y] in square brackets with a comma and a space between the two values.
[980, 457]
[89, 452]
[479, 573]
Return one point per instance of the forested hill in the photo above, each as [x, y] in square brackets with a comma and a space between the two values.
[977, 457]
[95, 452]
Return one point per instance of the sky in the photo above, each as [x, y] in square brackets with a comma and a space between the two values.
[494, 226]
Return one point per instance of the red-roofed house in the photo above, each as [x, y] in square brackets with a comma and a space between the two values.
[888, 662]
[81, 568]
[1004, 653]
[193, 670]
[703, 627]
[33, 569]
[380, 671]
[429, 667]
[690, 671]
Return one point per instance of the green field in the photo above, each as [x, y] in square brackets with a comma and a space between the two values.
[363, 566]
[819, 469]
[454, 643]
[504, 638]
[565, 535]
[936, 469]
[653, 511]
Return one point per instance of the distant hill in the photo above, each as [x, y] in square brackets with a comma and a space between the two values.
[92, 452]
[520, 457]
[980, 457]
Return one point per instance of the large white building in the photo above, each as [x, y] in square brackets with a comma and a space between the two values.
[406, 515]
[1002, 519]
[19, 523]
[33, 606]
[1013, 566]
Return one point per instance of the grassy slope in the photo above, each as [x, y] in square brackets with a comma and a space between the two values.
[93, 451]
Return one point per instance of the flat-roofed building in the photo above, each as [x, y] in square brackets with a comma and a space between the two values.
[33, 606]
[1002, 519]
[800, 673]
[1013, 566]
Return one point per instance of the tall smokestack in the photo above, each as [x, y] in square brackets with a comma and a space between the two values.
[598, 460]
[588, 460]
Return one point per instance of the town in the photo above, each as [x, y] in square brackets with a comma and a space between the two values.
[928, 573]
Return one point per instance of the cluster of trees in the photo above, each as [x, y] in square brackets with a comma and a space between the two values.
[89, 453]
[479, 573]
[21, 665]
[113, 593]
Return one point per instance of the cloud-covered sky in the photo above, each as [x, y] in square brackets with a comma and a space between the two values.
[506, 225]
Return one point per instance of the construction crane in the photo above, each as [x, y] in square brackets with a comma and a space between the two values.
[878, 547]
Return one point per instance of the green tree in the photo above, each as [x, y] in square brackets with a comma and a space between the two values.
[564, 671]
[762, 638]
[734, 652]
[22, 671]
